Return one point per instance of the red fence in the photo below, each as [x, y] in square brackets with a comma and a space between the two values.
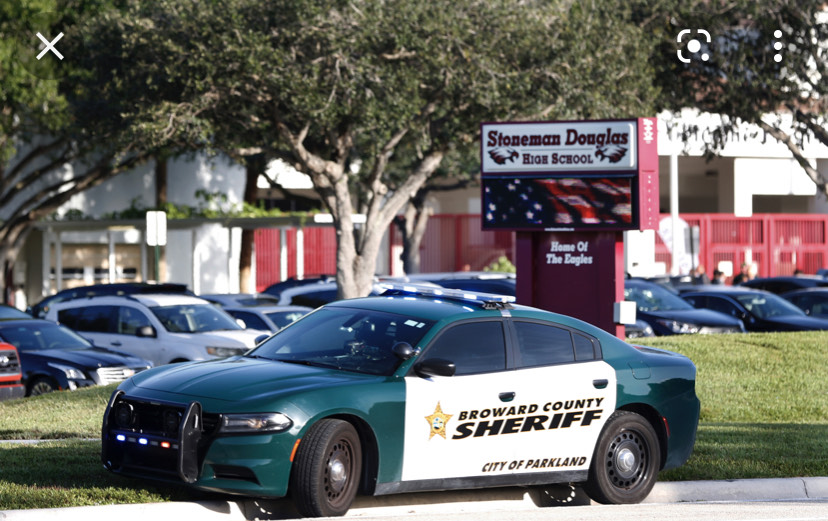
[778, 243]
[456, 242]
[319, 253]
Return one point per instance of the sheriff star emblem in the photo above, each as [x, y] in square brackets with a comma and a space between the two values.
[438, 421]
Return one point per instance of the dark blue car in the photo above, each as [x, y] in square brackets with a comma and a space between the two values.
[668, 314]
[759, 310]
[53, 357]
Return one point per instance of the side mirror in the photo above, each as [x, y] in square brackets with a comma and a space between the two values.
[146, 331]
[261, 338]
[435, 367]
[403, 350]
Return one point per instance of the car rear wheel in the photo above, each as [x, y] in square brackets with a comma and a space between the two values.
[326, 470]
[42, 385]
[626, 460]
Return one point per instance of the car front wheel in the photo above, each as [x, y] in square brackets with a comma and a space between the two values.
[42, 385]
[326, 470]
[626, 460]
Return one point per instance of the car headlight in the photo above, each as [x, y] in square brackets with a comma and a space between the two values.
[679, 328]
[71, 373]
[226, 351]
[254, 423]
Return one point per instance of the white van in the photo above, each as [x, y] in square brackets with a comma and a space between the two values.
[160, 328]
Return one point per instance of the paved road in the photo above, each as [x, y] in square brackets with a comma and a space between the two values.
[791, 499]
[808, 510]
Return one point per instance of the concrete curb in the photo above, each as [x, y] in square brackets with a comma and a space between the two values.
[512, 498]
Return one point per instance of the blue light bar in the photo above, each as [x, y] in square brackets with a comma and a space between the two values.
[120, 437]
[456, 294]
[142, 441]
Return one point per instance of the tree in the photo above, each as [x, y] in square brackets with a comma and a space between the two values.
[335, 87]
[51, 145]
[594, 78]
[742, 81]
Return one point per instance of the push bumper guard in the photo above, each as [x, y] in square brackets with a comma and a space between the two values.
[135, 448]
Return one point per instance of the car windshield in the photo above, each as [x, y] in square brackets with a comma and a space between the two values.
[194, 318]
[36, 337]
[768, 305]
[655, 298]
[283, 318]
[343, 338]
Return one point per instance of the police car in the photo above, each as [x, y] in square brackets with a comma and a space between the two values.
[418, 389]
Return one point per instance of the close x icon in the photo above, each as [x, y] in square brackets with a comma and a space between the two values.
[42, 44]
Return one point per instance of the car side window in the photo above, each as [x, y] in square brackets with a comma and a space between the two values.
[723, 306]
[93, 319]
[542, 344]
[584, 348]
[474, 347]
[130, 320]
[251, 321]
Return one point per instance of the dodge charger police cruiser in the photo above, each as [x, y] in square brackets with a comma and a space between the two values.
[414, 390]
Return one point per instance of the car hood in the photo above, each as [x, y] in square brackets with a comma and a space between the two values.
[91, 357]
[701, 317]
[798, 322]
[240, 378]
[226, 338]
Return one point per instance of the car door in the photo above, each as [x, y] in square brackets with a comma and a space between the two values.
[95, 323]
[568, 392]
[127, 338]
[728, 307]
[452, 422]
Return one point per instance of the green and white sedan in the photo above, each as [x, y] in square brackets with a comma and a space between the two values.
[414, 390]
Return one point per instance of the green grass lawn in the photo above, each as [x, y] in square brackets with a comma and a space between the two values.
[764, 414]
[764, 404]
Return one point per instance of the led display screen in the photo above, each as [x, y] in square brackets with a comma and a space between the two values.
[522, 203]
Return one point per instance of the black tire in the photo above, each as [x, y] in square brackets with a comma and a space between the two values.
[626, 461]
[41, 385]
[327, 468]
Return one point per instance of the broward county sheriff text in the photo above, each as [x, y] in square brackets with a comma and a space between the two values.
[522, 418]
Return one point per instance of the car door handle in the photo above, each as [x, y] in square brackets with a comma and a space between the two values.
[116, 343]
[507, 397]
[600, 383]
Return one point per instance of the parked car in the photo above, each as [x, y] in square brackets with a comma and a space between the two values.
[160, 328]
[781, 285]
[813, 301]
[411, 391]
[276, 289]
[640, 329]
[55, 358]
[240, 299]
[315, 295]
[11, 375]
[758, 310]
[668, 314]
[268, 318]
[40, 309]
[7, 311]
[497, 283]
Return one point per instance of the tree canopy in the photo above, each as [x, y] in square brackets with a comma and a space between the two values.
[375, 99]
[338, 88]
[767, 62]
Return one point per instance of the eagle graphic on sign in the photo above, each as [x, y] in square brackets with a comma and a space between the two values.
[613, 153]
[502, 154]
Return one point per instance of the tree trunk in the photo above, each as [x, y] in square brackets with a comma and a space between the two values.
[160, 181]
[254, 166]
[160, 201]
[413, 227]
